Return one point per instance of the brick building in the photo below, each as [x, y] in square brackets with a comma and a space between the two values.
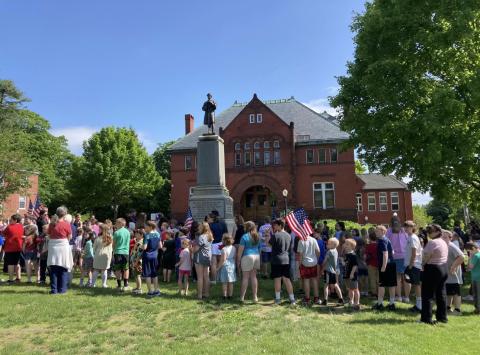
[278, 145]
[18, 203]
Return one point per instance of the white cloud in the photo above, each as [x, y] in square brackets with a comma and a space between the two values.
[76, 135]
[321, 105]
[419, 198]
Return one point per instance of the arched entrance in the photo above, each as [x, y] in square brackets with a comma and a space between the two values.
[256, 203]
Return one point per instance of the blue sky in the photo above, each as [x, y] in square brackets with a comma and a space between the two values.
[145, 64]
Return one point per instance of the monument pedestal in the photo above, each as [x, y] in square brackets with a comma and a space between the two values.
[210, 193]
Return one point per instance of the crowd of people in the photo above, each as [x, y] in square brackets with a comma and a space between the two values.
[351, 264]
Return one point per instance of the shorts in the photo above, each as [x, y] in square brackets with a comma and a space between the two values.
[308, 272]
[351, 284]
[168, 262]
[453, 289]
[11, 258]
[388, 278]
[87, 264]
[216, 249]
[77, 256]
[182, 273]
[250, 262]
[362, 272]
[400, 265]
[149, 267]
[266, 257]
[120, 262]
[330, 278]
[280, 270]
[413, 275]
[30, 255]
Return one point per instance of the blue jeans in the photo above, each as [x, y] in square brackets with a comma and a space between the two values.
[58, 279]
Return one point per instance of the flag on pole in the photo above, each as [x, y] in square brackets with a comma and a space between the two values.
[299, 223]
[38, 207]
[188, 219]
[30, 209]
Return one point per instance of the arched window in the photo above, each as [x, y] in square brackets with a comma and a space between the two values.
[256, 145]
[238, 146]
[276, 144]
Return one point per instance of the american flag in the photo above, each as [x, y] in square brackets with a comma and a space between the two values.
[189, 219]
[38, 207]
[299, 223]
[30, 209]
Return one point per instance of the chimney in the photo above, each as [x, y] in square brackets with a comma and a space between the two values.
[188, 123]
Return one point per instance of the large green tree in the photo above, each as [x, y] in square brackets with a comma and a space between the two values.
[162, 160]
[114, 170]
[411, 97]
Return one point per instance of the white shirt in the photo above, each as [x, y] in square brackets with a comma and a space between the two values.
[309, 248]
[413, 242]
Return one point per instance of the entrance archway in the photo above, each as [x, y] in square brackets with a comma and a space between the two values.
[256, 203]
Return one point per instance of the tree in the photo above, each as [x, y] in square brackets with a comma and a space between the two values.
[360, 168]
[161, 157]
[114, 170]
[420, 216]
[411, 97]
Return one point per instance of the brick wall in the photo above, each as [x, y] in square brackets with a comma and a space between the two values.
[12, 204]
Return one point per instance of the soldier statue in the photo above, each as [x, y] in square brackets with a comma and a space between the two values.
[209, 107]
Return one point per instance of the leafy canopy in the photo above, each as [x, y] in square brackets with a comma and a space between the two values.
[411, 97]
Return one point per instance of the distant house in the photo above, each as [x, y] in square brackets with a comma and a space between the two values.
[277, 145]
[18, 203]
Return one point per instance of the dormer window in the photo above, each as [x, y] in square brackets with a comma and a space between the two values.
[252, 118]
[259, 118]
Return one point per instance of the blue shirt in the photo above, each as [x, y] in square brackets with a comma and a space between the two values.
[152, 240]
[323, 251]
[218, 229]
[384, 244]
[249, 247]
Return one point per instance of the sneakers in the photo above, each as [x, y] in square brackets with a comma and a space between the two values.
[391, 307]
[306, 302]
[153, 294]
[398, 299]
[137, 291]
[378, 307]
[356, 307]
[324, 303]
[277, 301]
[406, 300]
[317, 300]
[125, 288]
[468, 298]
[340, 302]
[415, 309]
[456, 312]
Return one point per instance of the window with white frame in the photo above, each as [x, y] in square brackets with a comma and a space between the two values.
[238, 159]
[256, 145]
[372, 202]
[358, 197]
[395, 201]
[322, 156]
[257, 158]
[324, 195]
[259, 118]
[267, 158]
[382, 201]
[309, 156]
[333, 155]
[22, 202]
[188, 162]
[276, 144]
[248, 159]
[276, 157]
[252, 118]
[266, 145]
[238, 146]
[246, 146]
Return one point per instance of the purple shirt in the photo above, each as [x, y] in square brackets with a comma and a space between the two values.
[438, 249]
[399, 243]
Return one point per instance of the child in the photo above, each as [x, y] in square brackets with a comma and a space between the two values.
[266, 250]
[30, 250]
[151, 245]
[372, 262]
[184, 267]
[454, 280]
[168, 256]
[77, 251]
[474, 267]
[330, 265]
[413, 263]
[43, 255]
[362, 267]
[136, 260]
[309, 253]
[351, 273]
[227, 272]
[88, 259]
[102, 251]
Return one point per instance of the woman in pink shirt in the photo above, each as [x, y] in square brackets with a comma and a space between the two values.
[399, 238]
[435, 274]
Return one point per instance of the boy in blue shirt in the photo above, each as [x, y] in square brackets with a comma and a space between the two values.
[151, 244]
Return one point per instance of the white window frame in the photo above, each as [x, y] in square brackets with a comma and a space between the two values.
[265, 154]
[331, 155]
[276, 144]
[252, 118]
[246, 146]
[22, 200]
[369, 195]
[249, 154]
[259, 118]
[395, 195]
[238, 146]
[238, 155]
[256, 145]
[323, 190]
[275, 160]
[382, 201]
[191, 162]
[306, 156]
[266, 145]
[359, 200]
[324, 150]
[257, 162]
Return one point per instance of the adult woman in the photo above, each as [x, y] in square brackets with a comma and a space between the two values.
[102, 253]
[435, 255]
[60, 260]
[398, 237]
[202, 257]
[248, 259]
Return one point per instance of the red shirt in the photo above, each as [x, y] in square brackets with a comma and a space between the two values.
[371, 254]
[61, 230]
[13, 238]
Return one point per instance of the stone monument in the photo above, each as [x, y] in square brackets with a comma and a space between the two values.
[210, 193]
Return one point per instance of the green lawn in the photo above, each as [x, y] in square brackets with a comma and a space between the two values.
[105, 321]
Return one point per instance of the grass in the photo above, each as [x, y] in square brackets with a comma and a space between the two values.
[106, 321]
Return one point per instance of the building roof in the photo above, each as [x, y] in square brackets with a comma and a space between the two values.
[381, 182]
[317, 127]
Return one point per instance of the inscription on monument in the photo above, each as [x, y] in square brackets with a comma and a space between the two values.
[202, 208]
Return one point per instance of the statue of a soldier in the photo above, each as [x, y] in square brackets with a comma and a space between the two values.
[209, 107]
